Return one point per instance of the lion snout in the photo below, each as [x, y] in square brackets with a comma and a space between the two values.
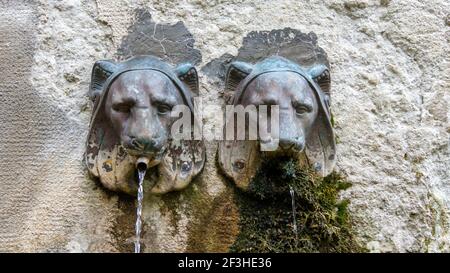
[296, 144]
[143, 145]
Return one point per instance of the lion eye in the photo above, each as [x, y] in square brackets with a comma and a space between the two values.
[302, 109]
[122, 107]
[164, 108]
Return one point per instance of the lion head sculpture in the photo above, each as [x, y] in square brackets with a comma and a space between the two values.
[305, 131]
[132, 118]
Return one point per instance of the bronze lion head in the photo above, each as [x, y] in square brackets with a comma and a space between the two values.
[133, 101]
[304, 120]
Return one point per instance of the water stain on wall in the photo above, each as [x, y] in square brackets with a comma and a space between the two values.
[172, 43]
[290, 43]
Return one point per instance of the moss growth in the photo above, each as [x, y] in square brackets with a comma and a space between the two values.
[332, 120]
[266, 220]
[213, 219]
[215, 226]
[123, 227]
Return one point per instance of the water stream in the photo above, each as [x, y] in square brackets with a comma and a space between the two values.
[291, 191]
[140, 197]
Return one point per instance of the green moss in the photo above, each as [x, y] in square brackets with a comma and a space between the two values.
[266, 220]
[213, 220]
[171, 201]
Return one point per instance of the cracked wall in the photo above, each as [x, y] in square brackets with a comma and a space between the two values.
[390, 91]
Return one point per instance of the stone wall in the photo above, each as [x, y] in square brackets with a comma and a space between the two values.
[390, 89]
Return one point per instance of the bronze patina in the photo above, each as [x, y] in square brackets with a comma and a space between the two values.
[305, 131]
[131, 120]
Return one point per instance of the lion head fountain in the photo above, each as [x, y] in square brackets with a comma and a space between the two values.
[304, 129]
[131, 124]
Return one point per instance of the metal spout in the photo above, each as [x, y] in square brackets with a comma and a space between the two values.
[142, 163]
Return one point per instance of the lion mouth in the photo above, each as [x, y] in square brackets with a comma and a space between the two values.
[274, 146]
[151, 155]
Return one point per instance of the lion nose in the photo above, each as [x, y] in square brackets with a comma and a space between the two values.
[286, 144]
[292, 144]
[143, 144]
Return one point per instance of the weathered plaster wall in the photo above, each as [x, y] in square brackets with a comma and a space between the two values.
[390, 92]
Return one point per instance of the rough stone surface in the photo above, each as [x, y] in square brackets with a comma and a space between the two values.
[390, 88]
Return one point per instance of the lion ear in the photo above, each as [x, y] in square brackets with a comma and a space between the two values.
[188, 74]
[100, 73]
[321, 75]
[237, 71]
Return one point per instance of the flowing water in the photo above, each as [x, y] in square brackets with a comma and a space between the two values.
[140, 197]
[291, 191]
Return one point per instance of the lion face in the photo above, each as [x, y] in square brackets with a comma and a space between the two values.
[303, 128]
[138, 106]
[297, 107]
[132, 120]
